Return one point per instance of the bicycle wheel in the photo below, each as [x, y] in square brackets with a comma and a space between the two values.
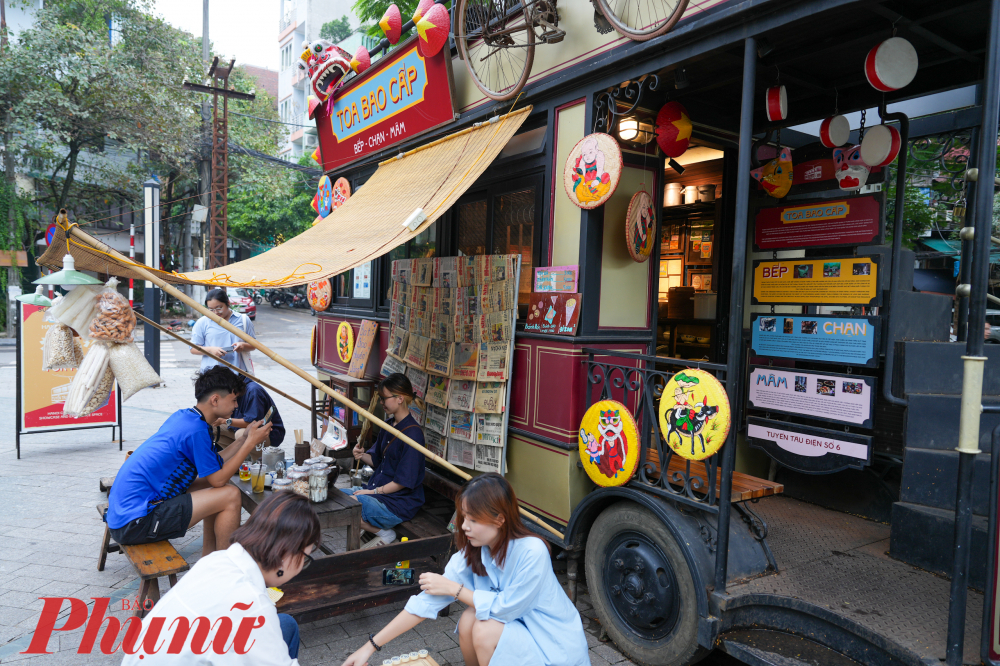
[641, 20]
[497, 43]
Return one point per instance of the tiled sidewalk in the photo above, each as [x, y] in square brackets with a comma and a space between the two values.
[50, 535]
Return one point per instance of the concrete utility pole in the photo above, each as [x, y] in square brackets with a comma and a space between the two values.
[8, 166]
[205, 167]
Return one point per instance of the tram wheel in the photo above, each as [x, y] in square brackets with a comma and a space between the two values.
[642, 588]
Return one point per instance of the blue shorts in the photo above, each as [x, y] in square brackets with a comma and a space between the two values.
[374, 512]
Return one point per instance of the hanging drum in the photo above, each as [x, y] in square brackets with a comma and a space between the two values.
[776, 103]
[320, 294]
[834, 131]
[880, 146]
[891, 65]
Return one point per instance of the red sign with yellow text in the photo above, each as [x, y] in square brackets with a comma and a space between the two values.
[402, 96]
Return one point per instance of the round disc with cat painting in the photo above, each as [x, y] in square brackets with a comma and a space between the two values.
[694, 414]
[592, 170]
[640, 225]
[609, 443]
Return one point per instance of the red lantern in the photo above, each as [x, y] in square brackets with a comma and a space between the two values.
[392, 24]
[891, 65]
[673, 129]
[433, 30]
[880, 146]
[834, 131]
[776, 103]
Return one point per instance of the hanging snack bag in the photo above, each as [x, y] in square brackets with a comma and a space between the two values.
[115, 320]
[77, 309]
[131, 370]
[89, 377]
[58, 349]
[101, 393]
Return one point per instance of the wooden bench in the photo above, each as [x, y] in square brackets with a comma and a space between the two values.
[745, 487]
[151, 561]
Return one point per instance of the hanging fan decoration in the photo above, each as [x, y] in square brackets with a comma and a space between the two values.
[776, 103]
[320, 294]
[891, 65]
[432, 30]
[329, 197]
[880, 146]
[592, 171]
[835, 131]
[640, 226]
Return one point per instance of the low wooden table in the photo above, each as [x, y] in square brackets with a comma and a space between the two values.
[339, 510]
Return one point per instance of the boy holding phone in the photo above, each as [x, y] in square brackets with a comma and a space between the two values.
[252, 405]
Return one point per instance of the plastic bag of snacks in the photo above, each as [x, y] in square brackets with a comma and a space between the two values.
[58, 350]
[131, 369]
[101, 393]
[77, 308]
[89, 377]
[115, 320]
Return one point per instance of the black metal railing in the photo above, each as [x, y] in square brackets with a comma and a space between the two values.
[637, 381]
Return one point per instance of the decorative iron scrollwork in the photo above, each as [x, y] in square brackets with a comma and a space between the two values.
[606, 109]
[757, 525]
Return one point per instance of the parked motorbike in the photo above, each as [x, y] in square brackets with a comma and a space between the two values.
[278, 298]
[300, 301]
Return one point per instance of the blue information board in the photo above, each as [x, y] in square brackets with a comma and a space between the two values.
[837, 340]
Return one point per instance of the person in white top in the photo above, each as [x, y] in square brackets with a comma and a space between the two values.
[220, 613]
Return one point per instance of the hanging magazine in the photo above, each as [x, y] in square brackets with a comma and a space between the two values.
[461, 453]
[496, 326]
[488, 458]
[493, 361]
[442, 327]
[398, 337]
[418, 378]
[439, 357]
[462, 425]
[462, 394]
[444, 301]
[489, 429]
[423, 272]
[391, 366]
[437, 391]
[490, 397]
[446, 272]
[436, 419]
[436, 443]
[418, 411]
[465, 364]
[416, 351]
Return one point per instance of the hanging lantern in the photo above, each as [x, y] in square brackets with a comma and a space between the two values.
[776, 103]
[433, 30]
[37, 298]
[68, 277]
[391, 24]
[891, 65]
[673, 129]
[834, 131]
[880, 146]
[636, 130]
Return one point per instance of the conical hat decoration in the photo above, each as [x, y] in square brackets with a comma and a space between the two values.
[361, 60]
[609, 443]
[640, 226]
[313, 104]
[891, 65]
[673, 129]
[391, 24]
[694, 414]
[592, 170]
[422, 8]
[432, 30]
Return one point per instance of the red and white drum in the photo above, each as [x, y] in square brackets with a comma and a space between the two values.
[880, 146]
[776, 103]
[834, 131]
[891, 65]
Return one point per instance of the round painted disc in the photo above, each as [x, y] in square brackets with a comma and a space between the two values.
[320, 294]
[324, 197]
[592, 170]
[341, 193]
[345, 342]
[694, 414]
[609, 443]
[640, 225]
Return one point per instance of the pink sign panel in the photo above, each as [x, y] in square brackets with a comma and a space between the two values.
[829, 397]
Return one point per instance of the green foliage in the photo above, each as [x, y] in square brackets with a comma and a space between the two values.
[370, 12]
[337, 30]
[274, 215]
[918, 215]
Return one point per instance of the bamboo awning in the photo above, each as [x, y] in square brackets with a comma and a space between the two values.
[368, 225]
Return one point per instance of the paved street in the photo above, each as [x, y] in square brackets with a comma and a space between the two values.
[50, 532]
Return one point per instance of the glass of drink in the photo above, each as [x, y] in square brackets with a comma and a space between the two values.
[258, 472]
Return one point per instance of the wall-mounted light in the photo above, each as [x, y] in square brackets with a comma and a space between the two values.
[636, 130]
[681, 80]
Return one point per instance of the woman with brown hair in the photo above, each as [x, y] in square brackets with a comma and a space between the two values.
[395, 492]
[268, 551]
[517, 611]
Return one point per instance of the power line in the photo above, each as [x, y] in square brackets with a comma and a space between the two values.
[266, 120]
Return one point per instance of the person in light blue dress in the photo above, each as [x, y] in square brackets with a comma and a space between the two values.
[517, 611]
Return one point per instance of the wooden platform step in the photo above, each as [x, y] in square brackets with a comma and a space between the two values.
[745, 486]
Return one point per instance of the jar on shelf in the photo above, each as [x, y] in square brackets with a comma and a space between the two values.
[281, 484]
[299, 476]
[318, 480]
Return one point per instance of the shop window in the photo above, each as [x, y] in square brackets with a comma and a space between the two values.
[514, 232]
[422, 246]
[355, 288]
[472, 223]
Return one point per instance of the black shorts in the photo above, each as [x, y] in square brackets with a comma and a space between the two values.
[168, 520]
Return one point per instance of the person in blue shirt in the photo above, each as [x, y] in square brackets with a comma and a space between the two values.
[216, 340]
[395, 492]
[253, 405]
[517, 613]
[175, 479]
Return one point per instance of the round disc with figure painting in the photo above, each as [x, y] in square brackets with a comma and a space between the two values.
[694, 414]
[320, 292]
[640, 225]
[593, 170]
[345, 342]
[609, 443]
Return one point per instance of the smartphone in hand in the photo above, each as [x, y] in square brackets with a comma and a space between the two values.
[267, 417]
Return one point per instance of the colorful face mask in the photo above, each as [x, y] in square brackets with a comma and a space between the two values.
[327, 66]
[776, 176]
[849, 169]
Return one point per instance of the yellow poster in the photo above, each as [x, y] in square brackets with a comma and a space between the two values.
[43, 392]
[827, 281]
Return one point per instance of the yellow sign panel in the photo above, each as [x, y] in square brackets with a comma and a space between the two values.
[694, 414]
[609, 443]
[827, 281]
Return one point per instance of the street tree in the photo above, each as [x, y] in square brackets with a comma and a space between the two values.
[337, 30]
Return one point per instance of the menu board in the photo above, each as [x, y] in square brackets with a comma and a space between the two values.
[363, 348]
[826, 281]
[452, 328]
[556, 278]
[553, 313]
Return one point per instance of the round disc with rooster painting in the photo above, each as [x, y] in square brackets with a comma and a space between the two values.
[694, 414]
[609, 443]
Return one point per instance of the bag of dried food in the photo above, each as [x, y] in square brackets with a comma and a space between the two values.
[89, 379]
[76, 309]
[115, 320]
[131, 370]
[58, 349]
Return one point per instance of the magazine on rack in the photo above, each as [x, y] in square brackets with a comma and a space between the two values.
[462, 425]
[439, 357]
[436, 419]
[462, 394]
[437, 391]
[490, 397]
[418, 378]
[465, 364]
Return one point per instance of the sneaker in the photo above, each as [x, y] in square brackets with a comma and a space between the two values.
[383, 538]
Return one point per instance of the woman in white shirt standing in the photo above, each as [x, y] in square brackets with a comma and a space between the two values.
[217, 341]
[229, 588]
[517, 613]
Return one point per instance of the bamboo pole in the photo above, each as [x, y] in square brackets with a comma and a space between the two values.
[225, 363]
[280, 360]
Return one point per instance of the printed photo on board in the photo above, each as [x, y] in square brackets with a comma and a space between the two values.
[800, 383]
[803, 271]
[826, 387]
[831, 269]
[788, 327]
[854, 388]
[767, 324]
[810, 328]
[862, 269]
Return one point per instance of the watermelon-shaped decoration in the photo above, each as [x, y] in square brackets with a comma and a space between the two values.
[313, 104]
[422, 8]
[361, 61]
[392, 24]
[433, 30]
[673, 129]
